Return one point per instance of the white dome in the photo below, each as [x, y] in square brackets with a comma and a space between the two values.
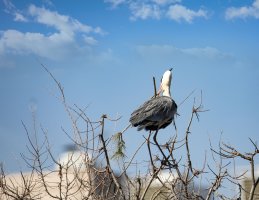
[165, 177]
[74, 159]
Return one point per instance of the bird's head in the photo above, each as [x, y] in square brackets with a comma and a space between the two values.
[165, 83]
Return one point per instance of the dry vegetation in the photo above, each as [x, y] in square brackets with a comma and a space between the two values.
[80, 177]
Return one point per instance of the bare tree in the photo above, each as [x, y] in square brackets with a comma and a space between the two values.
[82, 176]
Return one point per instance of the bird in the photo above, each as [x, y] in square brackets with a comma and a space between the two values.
[158, 112]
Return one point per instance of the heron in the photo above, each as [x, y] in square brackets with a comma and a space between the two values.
[158, 112]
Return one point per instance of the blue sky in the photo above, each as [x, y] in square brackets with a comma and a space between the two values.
[105, 54]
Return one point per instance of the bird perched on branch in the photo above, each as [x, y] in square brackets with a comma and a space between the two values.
[158, 112]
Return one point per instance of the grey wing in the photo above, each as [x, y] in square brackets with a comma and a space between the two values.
[163, 110]
[153, 110]
[140, 114]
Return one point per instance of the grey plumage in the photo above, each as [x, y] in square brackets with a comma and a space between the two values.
[154, 114]
[157, 112]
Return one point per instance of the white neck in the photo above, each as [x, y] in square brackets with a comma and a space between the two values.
[166, 92]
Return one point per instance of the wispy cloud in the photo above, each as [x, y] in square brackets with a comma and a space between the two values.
[243, 12]
[166, 2]
[144, 11]
[115, 3]
[11, 9]
[164, 54]
[48, 2]
[90, 40]
[158, 9]
[63, 23]
[205, 52]
[19, 17]
[181, 13]
[57, 45]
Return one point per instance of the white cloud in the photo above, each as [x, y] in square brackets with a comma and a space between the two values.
[90, 40]
[144, 11]
[11, 9]
[243, 12]
[19, 17]
[166, 2]
[8, 5]
[166, 54]
[62, 23]
[16, 42]
[47, 2]
[157, 9]
[57, 45]
[180, 13]
[115, 3]
[206, 52]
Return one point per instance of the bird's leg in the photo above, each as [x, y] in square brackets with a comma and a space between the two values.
[174, 125]
[149, 151]
[154, 138]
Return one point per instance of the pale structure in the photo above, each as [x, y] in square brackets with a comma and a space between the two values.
[75, 178]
